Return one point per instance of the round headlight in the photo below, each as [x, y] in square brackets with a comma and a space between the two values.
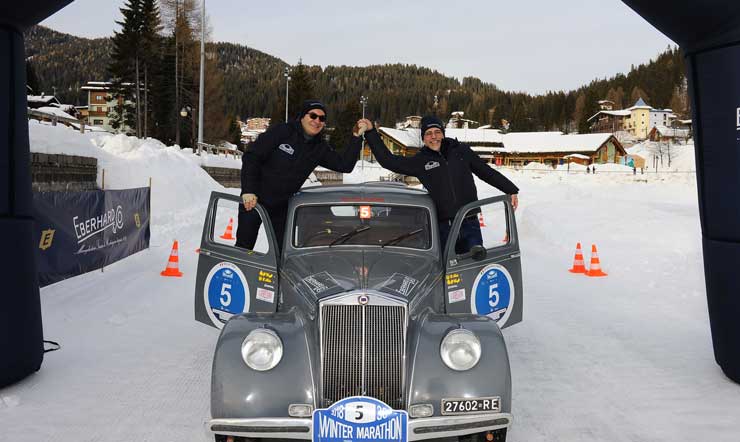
[460, 349]
[262, 349]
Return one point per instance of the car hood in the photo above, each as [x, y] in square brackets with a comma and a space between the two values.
[328, 272]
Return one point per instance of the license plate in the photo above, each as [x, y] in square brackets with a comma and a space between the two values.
[471, 406]
[360, 419]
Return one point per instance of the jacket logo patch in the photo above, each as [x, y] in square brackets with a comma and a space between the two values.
[431, 165]
[287, 148]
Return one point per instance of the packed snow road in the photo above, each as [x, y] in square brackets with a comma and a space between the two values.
[627, 357]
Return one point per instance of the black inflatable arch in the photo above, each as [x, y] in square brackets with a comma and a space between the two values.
[708, 32]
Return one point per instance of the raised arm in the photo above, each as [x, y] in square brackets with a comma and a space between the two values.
[394, 163]
[342, 162]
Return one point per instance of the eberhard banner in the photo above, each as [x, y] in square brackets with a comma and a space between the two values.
[77, 232]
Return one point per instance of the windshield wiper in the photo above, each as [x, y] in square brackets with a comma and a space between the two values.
[343, 238]
[400, 238]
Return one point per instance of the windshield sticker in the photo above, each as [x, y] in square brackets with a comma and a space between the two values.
[493, 293]
[365, 212]
[225, 293]
[456, 296]
[401, 284]
[320, 282]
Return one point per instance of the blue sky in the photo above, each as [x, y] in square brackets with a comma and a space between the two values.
[527, 45]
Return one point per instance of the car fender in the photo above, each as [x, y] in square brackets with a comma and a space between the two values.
[430, 380]
[238, 391]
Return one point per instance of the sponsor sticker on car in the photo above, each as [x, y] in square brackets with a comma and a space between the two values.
[360, 418]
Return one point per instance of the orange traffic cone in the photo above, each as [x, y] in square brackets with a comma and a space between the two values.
[578, 264]
[480, 219]
[173, 263]
[228, 234]
[595, 268]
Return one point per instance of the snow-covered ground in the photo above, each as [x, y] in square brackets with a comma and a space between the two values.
[622, 358]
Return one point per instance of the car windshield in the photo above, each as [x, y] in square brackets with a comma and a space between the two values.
[367, 225]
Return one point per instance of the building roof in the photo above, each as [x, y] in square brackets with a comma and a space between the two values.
[41, 99]
[519, 142]
[639, 104]
[531, 142]
[671, 132]
[411, 137]
[616, 113]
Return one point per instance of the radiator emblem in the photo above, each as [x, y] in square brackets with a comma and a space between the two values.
[363, 299]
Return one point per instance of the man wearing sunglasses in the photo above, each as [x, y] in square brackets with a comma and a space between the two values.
[445, 167]
[277, 164]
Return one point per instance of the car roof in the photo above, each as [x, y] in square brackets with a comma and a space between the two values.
[369, 192]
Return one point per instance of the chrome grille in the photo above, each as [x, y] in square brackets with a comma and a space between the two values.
[357, 363]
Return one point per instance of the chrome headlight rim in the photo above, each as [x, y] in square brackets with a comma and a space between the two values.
[458, 339]
[260, 339]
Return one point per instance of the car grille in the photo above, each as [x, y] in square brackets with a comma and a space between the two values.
[363, 352]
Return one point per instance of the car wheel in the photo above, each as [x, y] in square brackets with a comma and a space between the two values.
[487, 436]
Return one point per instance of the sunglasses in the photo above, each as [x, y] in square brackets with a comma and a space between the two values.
[314, 116]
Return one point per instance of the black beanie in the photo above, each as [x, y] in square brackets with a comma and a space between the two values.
[310, 105]
[429, 122]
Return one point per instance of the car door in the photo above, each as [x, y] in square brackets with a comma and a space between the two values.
[232, 280]
[487, 283]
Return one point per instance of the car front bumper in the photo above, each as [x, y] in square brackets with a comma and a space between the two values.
[418, 429]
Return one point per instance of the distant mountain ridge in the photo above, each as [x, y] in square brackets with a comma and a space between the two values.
[254, 84]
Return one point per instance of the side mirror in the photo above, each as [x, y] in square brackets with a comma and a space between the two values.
[478, 252]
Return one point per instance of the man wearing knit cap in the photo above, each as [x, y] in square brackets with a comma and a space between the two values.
[277, 164]
[445, 167]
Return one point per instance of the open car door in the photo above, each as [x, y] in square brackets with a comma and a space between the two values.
[486, 280]
[233, 280]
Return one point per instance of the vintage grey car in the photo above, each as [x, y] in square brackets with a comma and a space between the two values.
[365, 327]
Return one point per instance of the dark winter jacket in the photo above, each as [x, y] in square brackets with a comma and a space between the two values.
[447, 175]
[277, 164]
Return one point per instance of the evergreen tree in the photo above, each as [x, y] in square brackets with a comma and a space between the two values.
[31, 79]
[123, 67]
[344, 122]
[149, 48]
[235, 132]
[301, 88]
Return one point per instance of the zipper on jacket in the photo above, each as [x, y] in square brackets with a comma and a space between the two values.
[449, 179]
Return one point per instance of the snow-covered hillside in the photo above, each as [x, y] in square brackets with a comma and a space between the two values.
[622, 358]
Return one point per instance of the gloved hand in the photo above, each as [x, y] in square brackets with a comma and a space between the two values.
[250, 200]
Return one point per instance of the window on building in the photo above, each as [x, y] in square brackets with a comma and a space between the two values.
[98, 97]
[98, 122]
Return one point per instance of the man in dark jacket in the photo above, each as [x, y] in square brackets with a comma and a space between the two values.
[277, 164]
[445, 167]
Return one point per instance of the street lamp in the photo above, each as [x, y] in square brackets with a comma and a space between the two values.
[363, 102]
[287, 82]
[202, 72]
[185, 112]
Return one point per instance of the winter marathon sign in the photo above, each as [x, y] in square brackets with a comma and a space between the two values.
[82, 231]
[225, 293]
[360, 418]
[493, 293]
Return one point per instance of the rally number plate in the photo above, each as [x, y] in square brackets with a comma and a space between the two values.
[470, 406]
